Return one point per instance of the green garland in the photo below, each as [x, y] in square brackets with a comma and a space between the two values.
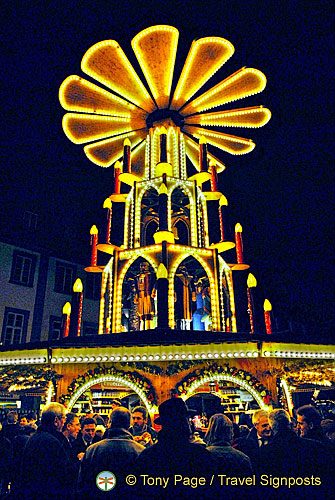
[27, 378]
[134, 377]
[215, 369]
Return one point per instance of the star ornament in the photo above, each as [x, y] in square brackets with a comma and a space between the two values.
[102, 119]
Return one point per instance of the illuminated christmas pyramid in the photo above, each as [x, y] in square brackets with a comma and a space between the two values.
[167, 273]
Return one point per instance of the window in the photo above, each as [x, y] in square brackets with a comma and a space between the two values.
[14, 330]
[30, 220]
[93, 286]
[23, 268]
[64, 277]
[55, 328]
[90, 328]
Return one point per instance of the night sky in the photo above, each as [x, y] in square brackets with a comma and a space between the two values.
[281, 193]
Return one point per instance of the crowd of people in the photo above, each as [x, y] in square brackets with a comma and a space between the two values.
[63, 456]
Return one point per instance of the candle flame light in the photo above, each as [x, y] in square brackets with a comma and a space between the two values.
[78, 286]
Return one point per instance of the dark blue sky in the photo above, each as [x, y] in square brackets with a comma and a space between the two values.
[281, 193]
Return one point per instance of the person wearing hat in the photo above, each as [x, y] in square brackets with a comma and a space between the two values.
[174, 456]
[115, 403]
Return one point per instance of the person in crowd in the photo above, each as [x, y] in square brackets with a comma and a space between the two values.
[173, 454]
[115, 403]
[98, 419]
[116, 453]
[23, 422]
[45, 473]
[309, 422]
[288, 455]
[18, 445]
[5, 461]
[258, 436]
[11, 427]
[195, 436]
[84, 438]
[32, 419]
[99, 433]
[219, 438]
[328, 429]
[142, 433]
[71, 427]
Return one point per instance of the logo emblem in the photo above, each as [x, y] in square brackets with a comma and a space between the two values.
[105, 480]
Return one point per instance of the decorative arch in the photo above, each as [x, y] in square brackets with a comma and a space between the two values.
[188, 385]
[139, 384]
[119, 285]
[177, 262]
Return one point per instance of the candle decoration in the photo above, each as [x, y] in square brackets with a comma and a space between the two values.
[267, 310]
[239, 243]
[66, 319]
[94, 242]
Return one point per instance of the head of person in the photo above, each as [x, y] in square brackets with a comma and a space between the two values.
[120, 417]
[328, 428]
[72, 426]
[139, 417]
[173, 417]
[88, 426]
[309, 421]
[220, 428]
[99, 432]
[23, 422]
[12, 417]
[280, 421]
[144, 267]
[115, 403]
[53, 416]
[31, 417]
[28, 430]
[260, 420]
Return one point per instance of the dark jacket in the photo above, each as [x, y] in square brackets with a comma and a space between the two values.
[173, 455]
[117, 455]
[250, 447]
[229, 461]
[45, 472]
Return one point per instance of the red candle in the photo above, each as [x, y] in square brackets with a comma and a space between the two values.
[214, 176]
[117, 172]
[76, 309]
[251, 282]
[108, 205]
[223, 203]
[239, 243]
[203, 155]
[267, 309]
[126, 156]
[94, 242]
[66, 319]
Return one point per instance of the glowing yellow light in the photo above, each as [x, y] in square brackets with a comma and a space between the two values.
[223, 201]
[162, 189]
[202, 140]
[94, 230]
[156, 49]
[77, 94]
[230, 143]
[162, 271]
[164, 236]
[243, 83]
[238, 228]
[78, 286]
[251, 281]
[107, 204]
[67, 308]
[107, 63]
[267, 305]
[81, 128]
[106, 152]
[247, 117]
[205, 57]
